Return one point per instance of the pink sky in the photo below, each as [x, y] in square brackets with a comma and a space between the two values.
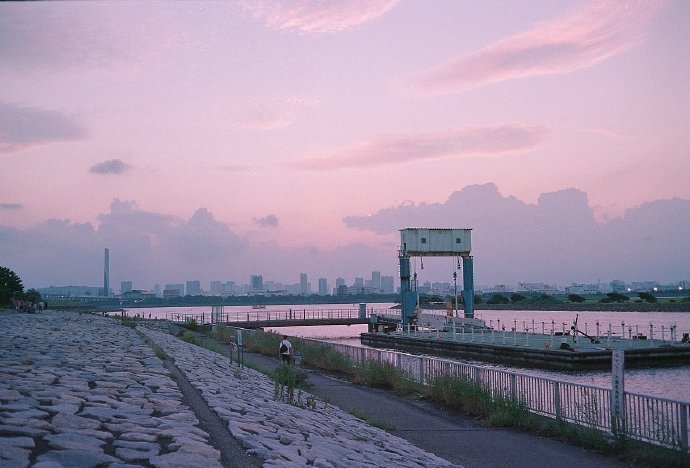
[281, 119]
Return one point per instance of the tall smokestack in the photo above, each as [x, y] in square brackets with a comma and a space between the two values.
[106, 274]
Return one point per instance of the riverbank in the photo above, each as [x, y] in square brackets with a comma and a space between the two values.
[84, 390]
[590, 306]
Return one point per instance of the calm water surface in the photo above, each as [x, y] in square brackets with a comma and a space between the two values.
[672, 383]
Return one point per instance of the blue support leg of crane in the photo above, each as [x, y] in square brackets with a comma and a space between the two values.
[408, 300]
[468, 285]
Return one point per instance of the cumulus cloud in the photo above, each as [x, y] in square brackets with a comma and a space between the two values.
[270, 113]
[307, 17]
[269, 221]
[398, 149]
[585, 37]
[11, 206]
[112, 166]
[24, 127]
[557, 240]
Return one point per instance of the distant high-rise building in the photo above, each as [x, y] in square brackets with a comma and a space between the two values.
[256, 282]
[323, 287]
[193, 288]
[174, 287]
[387, 285]
[172, 292]
[106, 274]
[376, 279]
[339, 282]
[303, 284]
[125, 287]
[218, 288]
[157, 290]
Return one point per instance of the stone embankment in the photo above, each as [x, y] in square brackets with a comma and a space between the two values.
[83, 390]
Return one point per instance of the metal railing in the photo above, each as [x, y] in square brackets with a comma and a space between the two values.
[256, 315]
[655, 420]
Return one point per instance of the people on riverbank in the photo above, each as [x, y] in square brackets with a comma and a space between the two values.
[285, 350]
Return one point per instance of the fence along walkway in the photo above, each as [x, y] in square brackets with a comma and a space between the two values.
[257, 315]
[655, 420]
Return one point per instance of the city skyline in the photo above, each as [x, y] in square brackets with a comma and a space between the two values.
[377, 284]
[220, 139]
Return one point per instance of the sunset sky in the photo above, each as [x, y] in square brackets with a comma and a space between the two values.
[203, 140]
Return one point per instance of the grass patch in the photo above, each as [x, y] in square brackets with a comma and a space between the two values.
[223, 335]
[460, 395]
[190, 337]
[386, 376]
[266, 343]
[191, 324]
[158, 351]
[130, 322]
[211, 346]
[289, 385]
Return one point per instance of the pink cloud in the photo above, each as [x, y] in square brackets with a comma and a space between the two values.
[397, 149]
[309, 17]
[270, 113]
[588, 35]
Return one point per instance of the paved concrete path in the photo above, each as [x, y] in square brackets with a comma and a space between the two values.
[457, 439]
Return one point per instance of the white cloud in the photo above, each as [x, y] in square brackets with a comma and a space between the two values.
[585, 37]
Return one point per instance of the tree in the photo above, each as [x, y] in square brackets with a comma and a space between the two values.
[615, 297]
[10, 285]
[576, 298]
[498, 299]
[515, 297]
[647, 297]
[32, 295]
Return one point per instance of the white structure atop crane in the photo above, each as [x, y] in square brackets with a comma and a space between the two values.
[431, 242]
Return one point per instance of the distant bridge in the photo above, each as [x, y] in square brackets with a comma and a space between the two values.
[262, 318]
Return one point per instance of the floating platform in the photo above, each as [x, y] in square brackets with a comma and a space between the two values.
[534, 350]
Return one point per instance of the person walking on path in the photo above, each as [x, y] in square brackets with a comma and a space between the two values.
[285, 350]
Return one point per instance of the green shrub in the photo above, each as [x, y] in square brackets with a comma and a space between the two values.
[385, 376]
[266, 343]
[223, 335]
[287, 380]
[189, 337]
[191, 324]
[460, 395]
[498, 299]
[323, 357]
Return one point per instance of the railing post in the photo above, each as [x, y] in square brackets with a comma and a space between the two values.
[513, 387]
[683, 416]
[557, 400]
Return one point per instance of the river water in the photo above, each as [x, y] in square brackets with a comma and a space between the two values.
[672, 382]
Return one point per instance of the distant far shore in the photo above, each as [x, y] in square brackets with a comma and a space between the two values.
[665, 306]
[590, 306]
